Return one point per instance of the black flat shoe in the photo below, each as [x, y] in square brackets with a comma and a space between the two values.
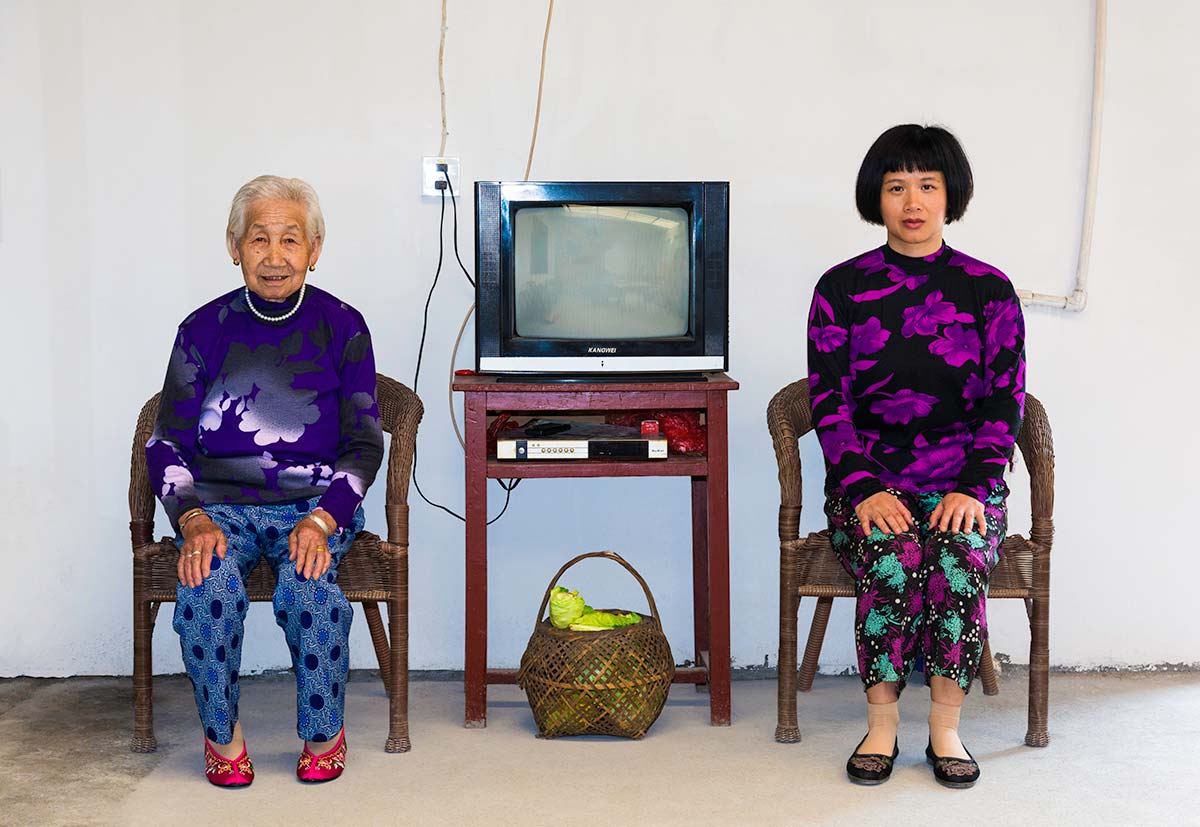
[956, 773]
[869, 768]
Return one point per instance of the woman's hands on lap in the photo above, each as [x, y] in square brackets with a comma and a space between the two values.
[202, 538]
[308, 545]
[958, 513]
[886, 512]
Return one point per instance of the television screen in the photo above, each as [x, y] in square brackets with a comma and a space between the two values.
[594, 272]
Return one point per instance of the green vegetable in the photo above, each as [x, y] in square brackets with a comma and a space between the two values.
[599, 621]
[566, 607]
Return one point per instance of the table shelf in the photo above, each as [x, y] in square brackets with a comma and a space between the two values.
[676, 466]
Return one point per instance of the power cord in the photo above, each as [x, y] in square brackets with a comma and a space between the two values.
[454, 208]
[508, 485]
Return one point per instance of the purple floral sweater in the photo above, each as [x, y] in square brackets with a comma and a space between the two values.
[268, 412]
[916, 372]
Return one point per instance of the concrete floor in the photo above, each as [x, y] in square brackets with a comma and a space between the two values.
[1125, 750]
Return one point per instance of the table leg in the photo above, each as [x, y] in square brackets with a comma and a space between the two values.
[475, 661]
[700, 619]
[718, 559]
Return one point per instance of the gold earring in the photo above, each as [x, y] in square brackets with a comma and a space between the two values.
[312, 268]
[236, 262]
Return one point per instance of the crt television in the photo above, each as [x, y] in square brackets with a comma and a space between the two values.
[588, 278]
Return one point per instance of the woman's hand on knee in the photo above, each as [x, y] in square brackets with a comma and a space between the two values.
[885, 511]
[958, 513]
[308, 546]
[202, 538]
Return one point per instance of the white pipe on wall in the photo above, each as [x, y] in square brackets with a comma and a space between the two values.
[1078, 298]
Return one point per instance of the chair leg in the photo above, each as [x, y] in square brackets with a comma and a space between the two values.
[987, 671]
[398, 739]
[1039, 674]
[143, 677]
[383, 652]
[787, 730]
[812, 649]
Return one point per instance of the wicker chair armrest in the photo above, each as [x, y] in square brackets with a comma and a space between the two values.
[789, 418]
[387, 549]
[141, 497]
[147, 551]
[1037, 448]
[400, 412]
[141, 533]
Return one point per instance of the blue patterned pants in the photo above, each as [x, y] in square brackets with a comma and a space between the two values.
[314, 614]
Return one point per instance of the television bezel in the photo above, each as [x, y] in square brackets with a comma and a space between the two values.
[499, 350]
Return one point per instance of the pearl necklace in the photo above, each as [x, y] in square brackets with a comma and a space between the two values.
[267, 318]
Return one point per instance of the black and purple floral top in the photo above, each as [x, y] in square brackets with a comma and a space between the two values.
[916, 373]
[267, 413]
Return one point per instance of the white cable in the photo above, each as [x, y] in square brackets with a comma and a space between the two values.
[1078, 298]
[442, 79]
[537, 113]
[450, 384]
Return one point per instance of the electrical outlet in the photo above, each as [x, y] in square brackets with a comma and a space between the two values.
[433, 179]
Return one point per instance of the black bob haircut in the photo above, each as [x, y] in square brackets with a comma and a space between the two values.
[914, 148]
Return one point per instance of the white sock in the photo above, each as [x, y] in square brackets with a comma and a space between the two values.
[883, 721]
[943, 731]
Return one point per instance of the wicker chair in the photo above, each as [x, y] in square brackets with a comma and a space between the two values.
[372, 571]
[809, 568]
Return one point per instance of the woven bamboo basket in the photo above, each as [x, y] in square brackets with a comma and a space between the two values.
[613, 682]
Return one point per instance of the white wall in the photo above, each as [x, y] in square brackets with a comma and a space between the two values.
[128, 126]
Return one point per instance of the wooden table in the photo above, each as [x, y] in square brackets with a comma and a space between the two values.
[710, 509]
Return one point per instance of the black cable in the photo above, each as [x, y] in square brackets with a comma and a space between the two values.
[421, 348]
[454, 206]
[428, 299]
[512, 483]
[508, 489]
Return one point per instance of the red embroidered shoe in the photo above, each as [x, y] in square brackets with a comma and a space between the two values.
[324, 767]
[225, 772]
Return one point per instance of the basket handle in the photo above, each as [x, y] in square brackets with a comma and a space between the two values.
[611, 555]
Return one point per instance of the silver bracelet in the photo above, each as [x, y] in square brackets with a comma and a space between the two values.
[321, 522]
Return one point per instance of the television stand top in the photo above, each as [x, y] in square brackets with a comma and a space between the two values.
[602, 378]
[605, 383]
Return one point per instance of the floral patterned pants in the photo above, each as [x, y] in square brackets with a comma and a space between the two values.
[314, 614]
[921, 594]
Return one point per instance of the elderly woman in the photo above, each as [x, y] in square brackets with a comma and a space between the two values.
[917, 373]
[267, 439]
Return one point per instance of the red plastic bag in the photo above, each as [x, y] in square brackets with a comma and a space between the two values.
[501, 423]
[684, 432]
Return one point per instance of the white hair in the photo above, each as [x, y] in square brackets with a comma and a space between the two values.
[272, 186]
